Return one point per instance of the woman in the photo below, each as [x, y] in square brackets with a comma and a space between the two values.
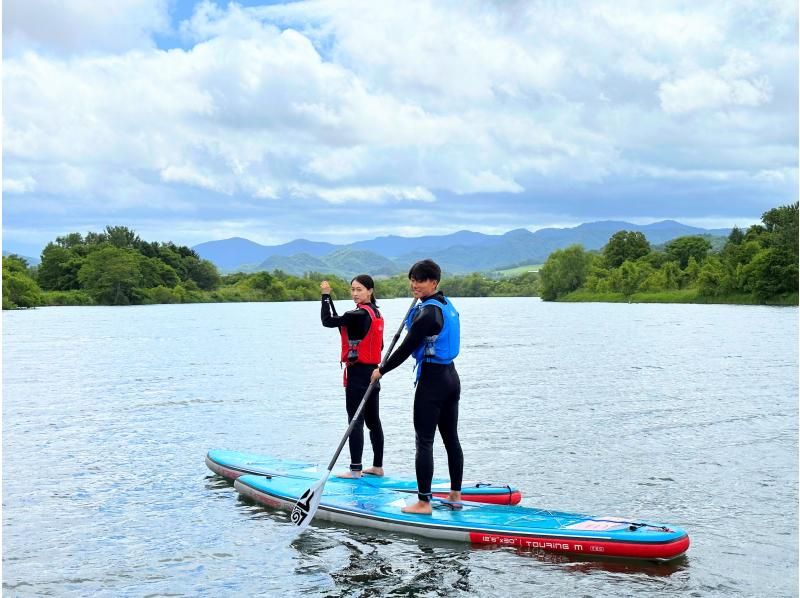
[361, 331]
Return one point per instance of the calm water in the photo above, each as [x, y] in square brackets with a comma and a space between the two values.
[681, 413]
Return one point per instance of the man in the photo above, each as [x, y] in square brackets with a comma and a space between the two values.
[433, 338]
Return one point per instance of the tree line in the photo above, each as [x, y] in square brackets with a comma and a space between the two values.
[116, 267]
[759, 265]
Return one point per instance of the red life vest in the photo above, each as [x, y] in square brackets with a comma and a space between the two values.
[368, 349]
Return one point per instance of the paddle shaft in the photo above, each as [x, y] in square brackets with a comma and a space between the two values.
[368, 393]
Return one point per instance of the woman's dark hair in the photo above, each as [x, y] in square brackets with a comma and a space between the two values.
[368, 283]
[425, 270]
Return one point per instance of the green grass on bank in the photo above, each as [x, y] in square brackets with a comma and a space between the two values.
[516, 271]
[676, 296]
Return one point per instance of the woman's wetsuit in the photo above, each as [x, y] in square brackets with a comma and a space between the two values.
[358, 322]
[435, 401]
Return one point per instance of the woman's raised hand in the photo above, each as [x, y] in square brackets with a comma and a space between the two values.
[325, 287]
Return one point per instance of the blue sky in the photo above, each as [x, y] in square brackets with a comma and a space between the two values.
[339, 121]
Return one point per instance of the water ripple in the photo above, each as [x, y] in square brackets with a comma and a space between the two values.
[665, 412]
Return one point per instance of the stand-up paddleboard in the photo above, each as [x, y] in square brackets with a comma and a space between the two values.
[352, 503]
[231, 465]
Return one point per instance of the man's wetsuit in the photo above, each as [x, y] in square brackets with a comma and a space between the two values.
[435, 401]
[357, 322]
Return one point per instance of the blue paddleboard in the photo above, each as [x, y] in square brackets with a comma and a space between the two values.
[361, 503]
[232, 464]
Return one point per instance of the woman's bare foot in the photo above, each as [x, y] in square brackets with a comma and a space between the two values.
[420, 508]
[454, 496]
[378, 471]
[349, 475]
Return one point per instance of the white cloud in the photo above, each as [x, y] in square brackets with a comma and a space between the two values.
[378, 195]
[190, 176]
[706, 90]
[76, 26]
[23, 185]
[391, 103]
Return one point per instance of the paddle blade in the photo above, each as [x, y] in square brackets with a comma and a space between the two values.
[305, 508]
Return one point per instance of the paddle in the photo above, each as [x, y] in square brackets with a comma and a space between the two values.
[305, 508]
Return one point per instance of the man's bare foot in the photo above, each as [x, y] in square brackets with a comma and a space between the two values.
[349, 475]
[420, 508]
[454, 496]
[378, 471]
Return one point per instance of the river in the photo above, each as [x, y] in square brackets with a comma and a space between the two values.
[686, 414]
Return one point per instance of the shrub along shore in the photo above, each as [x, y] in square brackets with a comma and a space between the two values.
[116, 267]
[754, 267]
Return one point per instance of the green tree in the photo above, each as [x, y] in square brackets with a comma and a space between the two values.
[672, 275]
[59, 268]
[122, 237]
[691, 272]
[734, 254]
[523, 285]
[597, 278]
[711, 277]
[203, 272]
[631, 276]
[156, 273]
[396, 286]
[656, 259]
[736, 236]
[470, 285]
[782, 226]
[16, 263]
[625, 245]
[683, 248]
[769, 274]
[70, 241]
[564, 271]
[19, 287]
[655, 281]
[111, 275]
[169, 254]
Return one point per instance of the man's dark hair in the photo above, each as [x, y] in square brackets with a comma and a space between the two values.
[425, 270]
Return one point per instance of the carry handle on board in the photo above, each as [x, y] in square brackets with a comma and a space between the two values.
[305, 508]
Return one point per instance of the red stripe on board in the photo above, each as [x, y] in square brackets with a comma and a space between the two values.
[226, 472]
[636, 550]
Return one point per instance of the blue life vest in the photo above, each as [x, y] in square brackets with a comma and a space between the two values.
[442, 347]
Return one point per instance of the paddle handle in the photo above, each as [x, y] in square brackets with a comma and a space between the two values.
[368, 393]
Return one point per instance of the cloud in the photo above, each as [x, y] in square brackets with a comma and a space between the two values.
[81, 26]
[728, 87]
[190, 176]
[23, 185]
[378, 195]
[312, 105]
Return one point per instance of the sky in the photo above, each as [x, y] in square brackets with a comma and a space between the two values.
[191, 121]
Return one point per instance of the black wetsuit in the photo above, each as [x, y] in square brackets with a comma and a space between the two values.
[357, 322]
[435, 401]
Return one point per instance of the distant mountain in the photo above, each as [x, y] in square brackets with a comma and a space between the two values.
[32, 261]
[348, 262]
[298, 264]
[457, 253]
[230, 254]
[394, 246]
[345, 262]
[523, 246]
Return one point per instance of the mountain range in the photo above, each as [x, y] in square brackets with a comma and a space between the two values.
[457, 253]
